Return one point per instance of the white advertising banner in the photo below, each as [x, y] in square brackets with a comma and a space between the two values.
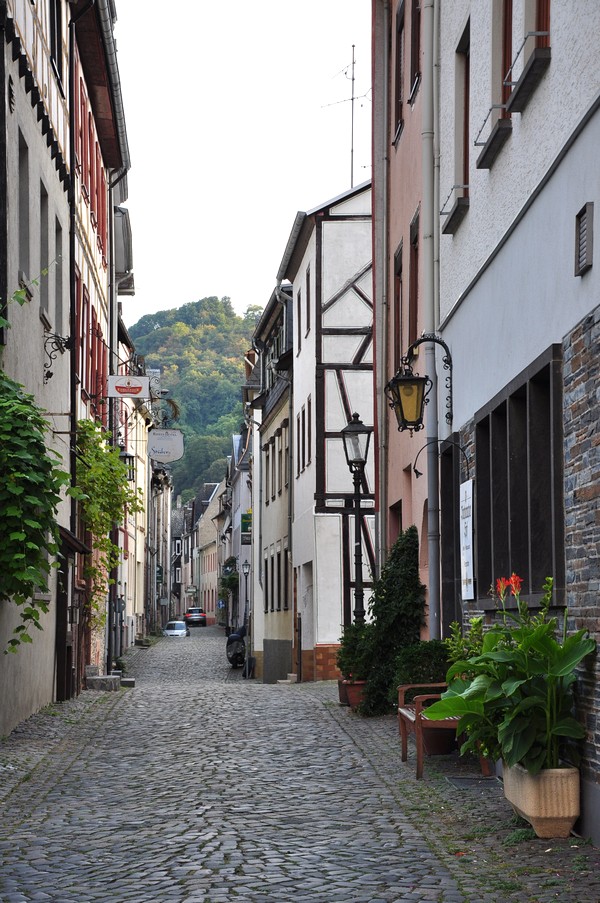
[128, 387]
[466, 540]
[165, 445]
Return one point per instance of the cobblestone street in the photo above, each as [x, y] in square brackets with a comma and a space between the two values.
[197, 785]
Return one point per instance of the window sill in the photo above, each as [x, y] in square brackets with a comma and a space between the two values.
[492, 147]
[531, 76]
[456, 216]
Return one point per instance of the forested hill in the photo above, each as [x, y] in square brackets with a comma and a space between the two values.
[199, 349]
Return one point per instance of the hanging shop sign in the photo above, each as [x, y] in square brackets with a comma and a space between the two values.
[466, 540]
[165, 445]
[128, 387]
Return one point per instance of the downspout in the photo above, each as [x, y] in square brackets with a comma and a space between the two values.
[287, 303]
[427, 149]
[382, 309]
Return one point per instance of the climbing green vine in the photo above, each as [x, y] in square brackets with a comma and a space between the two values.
[104, 495]
[30, 491]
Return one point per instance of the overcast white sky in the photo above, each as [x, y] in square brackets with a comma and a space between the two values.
[238, 115]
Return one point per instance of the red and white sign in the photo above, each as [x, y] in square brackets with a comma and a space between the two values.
[129, 387]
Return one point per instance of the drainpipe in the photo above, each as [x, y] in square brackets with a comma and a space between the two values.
[427, 148]
[381, 309]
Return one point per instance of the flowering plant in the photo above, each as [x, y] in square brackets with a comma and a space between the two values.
[515, 700]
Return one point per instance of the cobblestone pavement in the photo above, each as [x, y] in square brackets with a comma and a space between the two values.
[197, 785]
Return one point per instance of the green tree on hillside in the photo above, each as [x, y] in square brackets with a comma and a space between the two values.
[199, 349]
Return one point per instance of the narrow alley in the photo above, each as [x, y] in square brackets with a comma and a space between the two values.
[197, 785]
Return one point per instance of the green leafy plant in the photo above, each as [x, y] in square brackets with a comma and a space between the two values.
[425, 662]
[105, 495]
[397, 611]
[515, 699]
[30, 491]
[354, 656]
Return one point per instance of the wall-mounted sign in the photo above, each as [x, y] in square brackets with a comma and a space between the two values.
[246, 525]
[165, 445]
[466, 540]
[128, 387]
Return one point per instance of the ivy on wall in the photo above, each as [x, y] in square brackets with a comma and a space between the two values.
[30, 491]
[104, 495]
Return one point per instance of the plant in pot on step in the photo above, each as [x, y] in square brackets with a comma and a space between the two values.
[516, 700]
[353, 660]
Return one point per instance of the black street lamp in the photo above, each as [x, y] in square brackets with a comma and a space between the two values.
[245, 572]
[407, 391]
[356, 438]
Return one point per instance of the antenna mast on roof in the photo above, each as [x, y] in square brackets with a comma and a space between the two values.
[352, 127]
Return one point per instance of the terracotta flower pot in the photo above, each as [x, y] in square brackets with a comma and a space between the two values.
[343, 693]
[355, 690]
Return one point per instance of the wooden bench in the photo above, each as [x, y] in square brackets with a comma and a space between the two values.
[411, 719]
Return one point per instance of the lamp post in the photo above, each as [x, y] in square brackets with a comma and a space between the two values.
[407, 395]
[356, 437]
[245, 572]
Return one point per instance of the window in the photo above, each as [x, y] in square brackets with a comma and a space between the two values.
[178, 547]
[58, 277]
[519, 483]
[584, 233]
[24, 261]
[56, 37]
[303, 431]
[413, 287]
[279, 580]
[177, 575]
[44, 253]
[267, 474]
[286, 458]
[286, 581]
[267, 585]
[299, 316]
[501, 62]
[307, 300]
[298, 445]
[462, 88]
[397, 309]
[399, 74]
[415, 47]
[309, 430]
[272, 583]
[463, 81]
[273, 469]
[279, 462]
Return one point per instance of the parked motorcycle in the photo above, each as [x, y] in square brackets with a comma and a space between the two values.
[236, 648]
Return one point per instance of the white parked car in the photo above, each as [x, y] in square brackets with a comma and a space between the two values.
[176, 628]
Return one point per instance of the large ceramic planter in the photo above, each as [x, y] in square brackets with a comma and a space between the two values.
[549, 801]
[355, 690]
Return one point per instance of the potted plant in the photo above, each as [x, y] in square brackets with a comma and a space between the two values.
[353, 660]
[515, 701]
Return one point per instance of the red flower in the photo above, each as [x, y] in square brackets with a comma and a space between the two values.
[502, 584]
[515, 583]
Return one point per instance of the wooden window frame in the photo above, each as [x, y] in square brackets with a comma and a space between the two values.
[399, 74]
[415, 49]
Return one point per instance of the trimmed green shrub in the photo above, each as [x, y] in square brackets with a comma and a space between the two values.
[397, 609]
[424, 663]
